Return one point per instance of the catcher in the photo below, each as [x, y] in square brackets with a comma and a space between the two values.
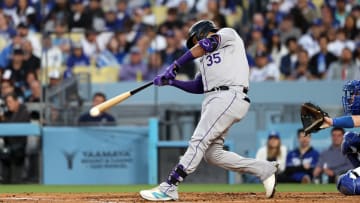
[314, 119]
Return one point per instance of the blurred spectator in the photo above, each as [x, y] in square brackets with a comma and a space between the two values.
[264, 70]
[6, 31]
[124, 45]
[102, 119]
[8, 87]
[256, 39]
[344, 68]
[332, 162]
[52, 55]
[148, 16]
[6, 53]
[288, 62]
[112, 23]
[90, 43]
[60, 12]
[23, 31]
[9, 9]
[340, 11]
[213, 8]
[31, 62]
[276, 48]
[158, 42]
[122, 12]
[17, 68]
[340, 43]
[320, 62]
[30, 77]
[27, 14]
[79, 20]
[309, 41]
[155, 66]
[327, 18]
[288, 30]
[298, 16]
[96, 14]
[35, 88]
[77, 57]
[273, 151]
[350, 28]
[271, 25]
[13, 152]
[274, 7]
[135, 69]
[109, 56]
[300, 162]
[171, 21]
[61, 41]
[143, 43]
[302, 66]
[307, 11]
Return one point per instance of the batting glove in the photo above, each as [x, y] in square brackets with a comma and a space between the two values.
[170, 72]
[160, 80]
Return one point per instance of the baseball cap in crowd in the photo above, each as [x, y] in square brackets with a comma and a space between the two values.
[22, 25]
[317, 22]
[76, 45]
[274, 134]
[274, 32]
[170, 33]
[54, 74]
[261, 54]
[134, 50]
[275, 1]
[7, 74]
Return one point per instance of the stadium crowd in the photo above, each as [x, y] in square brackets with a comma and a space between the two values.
[285, 40]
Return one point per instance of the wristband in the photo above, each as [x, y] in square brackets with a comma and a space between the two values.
[343, 122]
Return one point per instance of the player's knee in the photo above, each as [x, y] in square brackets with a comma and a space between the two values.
[349, 184]
[349, 140]
[212, 156]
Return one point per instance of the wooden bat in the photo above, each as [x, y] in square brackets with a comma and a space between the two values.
[96, 110]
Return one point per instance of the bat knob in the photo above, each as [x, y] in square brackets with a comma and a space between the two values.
[94, 112]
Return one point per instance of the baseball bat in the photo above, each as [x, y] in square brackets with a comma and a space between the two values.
[96, 110]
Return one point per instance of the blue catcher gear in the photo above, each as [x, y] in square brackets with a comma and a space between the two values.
[351, 143]
[349, 183]
[351, 98]
[350, 147]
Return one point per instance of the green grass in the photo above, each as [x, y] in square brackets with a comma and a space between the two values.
[183, 188]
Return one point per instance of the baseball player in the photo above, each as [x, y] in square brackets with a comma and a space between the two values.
[224, 80]
[349, 183]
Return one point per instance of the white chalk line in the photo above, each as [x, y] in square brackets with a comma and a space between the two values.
[50, 199]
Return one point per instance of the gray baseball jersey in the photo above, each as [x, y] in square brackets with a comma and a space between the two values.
[226, 66]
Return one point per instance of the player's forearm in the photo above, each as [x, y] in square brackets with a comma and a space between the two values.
[193, 86]
[190, 55]
[345, 121]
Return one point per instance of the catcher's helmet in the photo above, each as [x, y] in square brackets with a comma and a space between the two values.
[349, 183]
[200, 30]
[351, 98]
[350, 143]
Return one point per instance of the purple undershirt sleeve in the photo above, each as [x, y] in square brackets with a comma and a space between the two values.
[193, 86]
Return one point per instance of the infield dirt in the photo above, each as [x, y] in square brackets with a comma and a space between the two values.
[184, 197]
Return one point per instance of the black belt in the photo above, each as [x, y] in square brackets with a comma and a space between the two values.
[222, 88]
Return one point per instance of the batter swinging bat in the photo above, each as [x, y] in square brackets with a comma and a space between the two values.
[96, 110]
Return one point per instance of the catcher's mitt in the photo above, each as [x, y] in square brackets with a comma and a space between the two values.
[312, 117]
